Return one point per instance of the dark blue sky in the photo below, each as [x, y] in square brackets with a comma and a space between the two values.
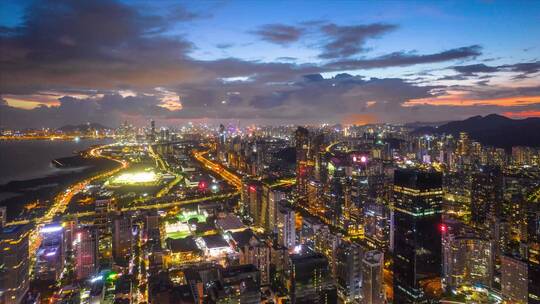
[269, 62]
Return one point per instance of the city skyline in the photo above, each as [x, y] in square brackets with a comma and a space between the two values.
[69, 62]
[288, 152]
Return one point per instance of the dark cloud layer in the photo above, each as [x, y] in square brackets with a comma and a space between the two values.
[88, 44]
[335, 41]
[407, 59]
[468, 70]
[279, 33]
[88, 52]
[346, 41]
[524, 68]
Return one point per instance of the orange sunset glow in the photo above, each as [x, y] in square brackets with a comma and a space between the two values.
[461, 100]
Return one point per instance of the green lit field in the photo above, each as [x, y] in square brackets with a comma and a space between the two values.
[184, 217]
[180, 228]
[178, 234]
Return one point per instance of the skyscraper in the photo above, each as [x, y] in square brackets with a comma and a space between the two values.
[302, 160]
[310, 281]
[122, 239]
[533, 229]
[334, 194]
[417, 236]
[50, 256]
[253, 201]
[3, 216]
[152, 130]
[467, 260]
[486, 195]
[514, 279]
[286, 230]
[14, 263]
[274, 196]
[372, 278]
[86, 247]
[349, 271]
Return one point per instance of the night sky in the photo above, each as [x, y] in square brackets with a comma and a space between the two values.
[269, 62]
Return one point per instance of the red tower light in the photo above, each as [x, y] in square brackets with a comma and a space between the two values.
[202, 185]
[443, 228]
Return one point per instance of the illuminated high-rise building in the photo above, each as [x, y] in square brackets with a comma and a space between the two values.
[302, 160]
[522, 155]
[253, 201]
[309, 280]
[514, 279]
[14, 263]
[377, 225]
[152, 227]
[268, 214]
[316, 156]
[255, 252]
[533, 228]
[314, 197]
[103, 207]
[416, 233]
[335, 194]
[86, 252]
[3, 216]
[349, 272]
[286, 230]
[50, 255]
[273, 196]
[467, 260]
[486, 195]
[222, 135]
[122, 239]
[463, 144]
[372, 278]
[326, 242]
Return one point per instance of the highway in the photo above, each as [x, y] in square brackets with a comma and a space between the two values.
[218, 169]
[167, 205]
[164, 166]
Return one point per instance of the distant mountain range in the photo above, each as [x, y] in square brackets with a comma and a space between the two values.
[82, 127]
[421, 124]
[494, 130]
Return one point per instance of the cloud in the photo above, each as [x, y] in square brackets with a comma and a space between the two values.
[279, 33]
[522, 114]
[406, 59]
[524, 68]
[180, 13]
[108, 110]
[469, 70]
[478, 96]
[106, 61]
[224, 46]
[346, 41]
[93, 44]
[335, 41]
[309, 97]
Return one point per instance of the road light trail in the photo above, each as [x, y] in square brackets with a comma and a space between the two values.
[218, 169]
[61, 201]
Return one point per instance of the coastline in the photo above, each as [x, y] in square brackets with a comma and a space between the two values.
[32, 197]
